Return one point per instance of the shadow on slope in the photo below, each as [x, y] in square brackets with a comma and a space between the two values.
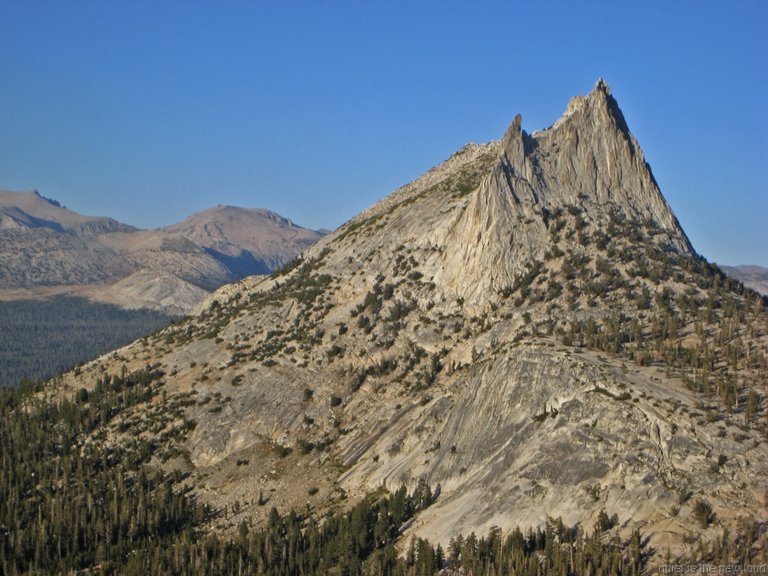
[242, 265]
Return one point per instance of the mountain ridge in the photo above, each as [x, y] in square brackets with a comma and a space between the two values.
[526, 326]
[30, 209]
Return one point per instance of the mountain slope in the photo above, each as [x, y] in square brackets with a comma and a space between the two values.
[44, 244]
[31, 210]
[526, 326]
[253, 237]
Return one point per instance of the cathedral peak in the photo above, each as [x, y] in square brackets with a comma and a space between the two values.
[519, 326]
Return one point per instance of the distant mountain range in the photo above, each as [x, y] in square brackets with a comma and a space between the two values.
[755, 277]
[46, 249]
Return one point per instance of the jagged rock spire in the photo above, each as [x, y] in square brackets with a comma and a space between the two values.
[480, 238]
[514, 147]
[588, 159]
[602, 86]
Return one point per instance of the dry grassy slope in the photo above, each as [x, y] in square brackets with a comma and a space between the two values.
[450, 333]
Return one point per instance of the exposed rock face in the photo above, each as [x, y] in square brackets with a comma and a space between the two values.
[46, 245]
[520, 325]
[155, 290]
[588, 160]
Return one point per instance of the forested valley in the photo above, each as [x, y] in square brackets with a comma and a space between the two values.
[41, 338]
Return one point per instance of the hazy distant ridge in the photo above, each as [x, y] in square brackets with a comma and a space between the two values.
[46, 246]
[755, 277]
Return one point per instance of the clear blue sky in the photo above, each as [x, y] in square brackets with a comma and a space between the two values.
[149, 111]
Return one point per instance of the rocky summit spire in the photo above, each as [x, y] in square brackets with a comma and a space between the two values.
[486, 213]
[514, 146]
[588, 161]
[591, 159]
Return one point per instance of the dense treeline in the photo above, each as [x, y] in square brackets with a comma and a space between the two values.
[41, 338]
[68, 502]
[362, 541]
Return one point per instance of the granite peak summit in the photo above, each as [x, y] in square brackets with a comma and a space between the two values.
[587, 160]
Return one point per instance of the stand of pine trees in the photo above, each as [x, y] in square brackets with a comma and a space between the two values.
[68, 503]
[42, 338]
